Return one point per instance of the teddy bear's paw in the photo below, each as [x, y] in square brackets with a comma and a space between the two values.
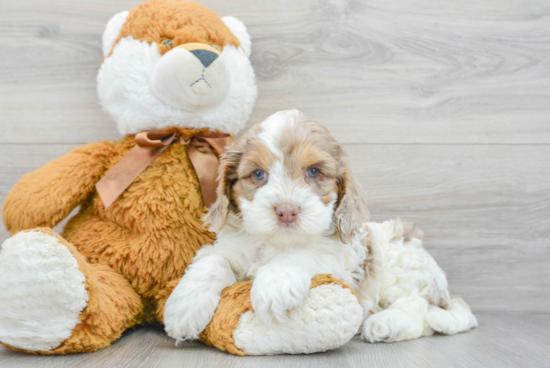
[392, 325]
[328, 318]
[42, 291]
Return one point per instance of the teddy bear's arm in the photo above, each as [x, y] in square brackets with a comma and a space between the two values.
[46, 196]
[329, 317]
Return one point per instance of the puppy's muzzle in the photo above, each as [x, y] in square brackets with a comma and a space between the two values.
[287, 214]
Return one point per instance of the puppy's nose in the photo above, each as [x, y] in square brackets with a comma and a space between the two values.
[287, 212]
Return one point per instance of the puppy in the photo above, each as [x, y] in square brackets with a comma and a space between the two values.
[289, 209]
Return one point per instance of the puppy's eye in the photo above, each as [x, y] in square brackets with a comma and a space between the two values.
[259, 176]
[313, 172]
[167, 43]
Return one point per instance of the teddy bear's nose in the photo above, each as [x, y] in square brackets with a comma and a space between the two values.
[206, 54]
[206, 57]
[191, 75]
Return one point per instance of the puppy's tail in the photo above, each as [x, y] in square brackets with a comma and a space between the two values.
[457, 317]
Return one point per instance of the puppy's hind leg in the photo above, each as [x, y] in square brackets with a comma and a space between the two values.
[410, 318]
[403, 320]
[456, 317]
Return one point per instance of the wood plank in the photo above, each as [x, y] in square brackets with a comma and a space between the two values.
[501, 340]
[485, 211]
[405, 72]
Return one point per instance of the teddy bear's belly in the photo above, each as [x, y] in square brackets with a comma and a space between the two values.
[152, 231]
[148, 259]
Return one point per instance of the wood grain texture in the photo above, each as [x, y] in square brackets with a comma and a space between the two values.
[500, 341]
[378, 72]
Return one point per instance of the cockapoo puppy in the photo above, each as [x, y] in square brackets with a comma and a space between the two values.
[289, 209]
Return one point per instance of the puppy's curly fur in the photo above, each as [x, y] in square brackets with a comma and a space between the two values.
[289, 209]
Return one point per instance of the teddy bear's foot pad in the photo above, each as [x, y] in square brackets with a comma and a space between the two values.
[330, 316]
[42, 291]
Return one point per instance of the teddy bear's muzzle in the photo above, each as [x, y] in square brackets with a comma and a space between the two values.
[190, 77]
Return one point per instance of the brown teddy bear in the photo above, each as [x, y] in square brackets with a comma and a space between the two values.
[177, 80]
[171, 67]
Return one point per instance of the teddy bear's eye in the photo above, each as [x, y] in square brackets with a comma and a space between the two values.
[167, 43]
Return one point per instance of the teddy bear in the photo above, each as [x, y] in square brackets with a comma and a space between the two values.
[177, 80]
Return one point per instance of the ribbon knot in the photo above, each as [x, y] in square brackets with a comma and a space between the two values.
[151, 144]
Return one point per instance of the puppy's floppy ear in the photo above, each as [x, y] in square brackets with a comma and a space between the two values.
[227, 174]
[352, 210]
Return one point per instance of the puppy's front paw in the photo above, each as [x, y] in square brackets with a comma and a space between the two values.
[186, 315]
[275, 293]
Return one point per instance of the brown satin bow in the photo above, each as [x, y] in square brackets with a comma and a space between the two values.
[149, 146]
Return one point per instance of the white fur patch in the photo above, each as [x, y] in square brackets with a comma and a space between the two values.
[112, 30]
[271, 129]
[42, 292]
[329, 318]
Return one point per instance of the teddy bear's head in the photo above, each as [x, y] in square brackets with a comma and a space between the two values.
[176, 63]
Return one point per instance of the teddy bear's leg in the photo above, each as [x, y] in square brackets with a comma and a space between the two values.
[330, 316]
[52, 301]
[162, 297]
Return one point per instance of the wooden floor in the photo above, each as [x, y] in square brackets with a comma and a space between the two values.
[443, 106]
[500, 341]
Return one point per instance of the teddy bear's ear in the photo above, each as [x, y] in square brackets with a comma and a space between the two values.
[112, 30]
[239, 30]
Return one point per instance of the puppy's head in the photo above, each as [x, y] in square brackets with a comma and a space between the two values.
[288, 179]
